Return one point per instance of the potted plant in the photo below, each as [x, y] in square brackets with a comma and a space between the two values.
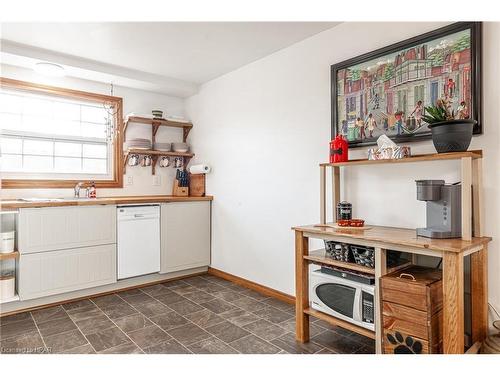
[450, 132]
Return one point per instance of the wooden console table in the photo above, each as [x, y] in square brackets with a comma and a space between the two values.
[385, 238]
[452, 252]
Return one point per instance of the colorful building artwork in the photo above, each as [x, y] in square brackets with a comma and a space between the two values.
[388, 95]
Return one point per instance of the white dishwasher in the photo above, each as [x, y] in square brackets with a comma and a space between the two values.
[138, 240]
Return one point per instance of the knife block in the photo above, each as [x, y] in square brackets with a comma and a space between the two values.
[179, 191]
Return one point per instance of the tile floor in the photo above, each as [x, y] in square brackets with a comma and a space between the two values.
[202, 314]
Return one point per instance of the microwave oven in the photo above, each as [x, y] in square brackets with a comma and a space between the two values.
[349, 300]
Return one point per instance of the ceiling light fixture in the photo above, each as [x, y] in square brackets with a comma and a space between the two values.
[49, 69]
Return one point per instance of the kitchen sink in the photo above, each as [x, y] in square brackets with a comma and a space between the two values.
[76, 199]
[43, 200]
[40, 200]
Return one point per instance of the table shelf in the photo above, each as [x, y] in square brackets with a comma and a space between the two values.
[339, 322]
[475, 154]
[320, 257]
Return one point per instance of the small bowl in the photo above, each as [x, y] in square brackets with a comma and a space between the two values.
[162, 146]
[343, 223]
[356, 223]
[180, 147]
[157, 113]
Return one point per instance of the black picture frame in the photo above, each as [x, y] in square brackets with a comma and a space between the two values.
[475, 76]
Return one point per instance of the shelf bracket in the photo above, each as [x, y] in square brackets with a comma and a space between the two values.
[185, 133]
[125, 125]
[153, 164]
[125, 160]
[154, 130]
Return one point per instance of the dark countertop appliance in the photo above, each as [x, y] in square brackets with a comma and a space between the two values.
[443, 211]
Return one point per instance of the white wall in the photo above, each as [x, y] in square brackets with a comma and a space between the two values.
[266, 126]
[133, 101]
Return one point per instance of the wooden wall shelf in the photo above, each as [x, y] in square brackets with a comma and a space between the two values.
[13, 255]
[154, 156]
[156, 123]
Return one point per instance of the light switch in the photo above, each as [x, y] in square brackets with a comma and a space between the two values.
[156, 181]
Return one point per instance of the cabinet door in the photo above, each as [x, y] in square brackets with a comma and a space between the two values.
[54, 272]
[185, 235]
[54, 228]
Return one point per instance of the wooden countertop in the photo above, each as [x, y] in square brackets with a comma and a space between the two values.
[397, 236]
[12, 204]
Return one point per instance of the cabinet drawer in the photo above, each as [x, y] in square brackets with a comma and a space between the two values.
[401, 343]
[55, 228]
[60, 271]
[394, 310]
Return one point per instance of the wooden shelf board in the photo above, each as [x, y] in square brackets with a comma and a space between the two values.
[392, 236]
[160, 122]
[157, 153]
[475, 154]
[320, 257]
[13, 255]
[339, 322]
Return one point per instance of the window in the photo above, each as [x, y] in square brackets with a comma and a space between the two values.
[54, 137]
[418, 93]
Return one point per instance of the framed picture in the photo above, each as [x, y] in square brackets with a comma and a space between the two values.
[386, 91]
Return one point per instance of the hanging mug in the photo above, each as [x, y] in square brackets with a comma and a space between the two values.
[146, 161]
[178, 162]
[164, 161]
[133, 160]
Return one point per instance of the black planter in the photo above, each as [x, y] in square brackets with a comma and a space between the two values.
[452, 136]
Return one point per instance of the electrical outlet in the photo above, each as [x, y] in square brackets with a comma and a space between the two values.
[156, 181]
[130, 180]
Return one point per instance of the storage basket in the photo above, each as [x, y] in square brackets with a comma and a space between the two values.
[338, 251]
[7, 286]
[7, 240]
[363, 255]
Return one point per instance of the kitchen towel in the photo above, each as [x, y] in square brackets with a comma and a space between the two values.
[199, 169]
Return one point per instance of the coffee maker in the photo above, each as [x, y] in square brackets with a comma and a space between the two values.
[443, 211]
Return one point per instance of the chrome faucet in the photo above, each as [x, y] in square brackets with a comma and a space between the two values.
[78, 186]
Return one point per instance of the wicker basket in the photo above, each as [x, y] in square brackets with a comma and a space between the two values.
[338, 251]
[364, 256]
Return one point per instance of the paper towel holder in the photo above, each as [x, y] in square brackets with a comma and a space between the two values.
[200, 169]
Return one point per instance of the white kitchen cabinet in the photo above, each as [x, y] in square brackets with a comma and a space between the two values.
[53, 272]
[185, 235]
[55, 228]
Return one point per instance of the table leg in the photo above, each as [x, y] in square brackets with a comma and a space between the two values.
[479, 291]
[466, 198]
[322, 195]
[301, 287]
[453, 303]
[380, 270]
[335, 191]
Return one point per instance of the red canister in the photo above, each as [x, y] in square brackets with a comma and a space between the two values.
[338, 149]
